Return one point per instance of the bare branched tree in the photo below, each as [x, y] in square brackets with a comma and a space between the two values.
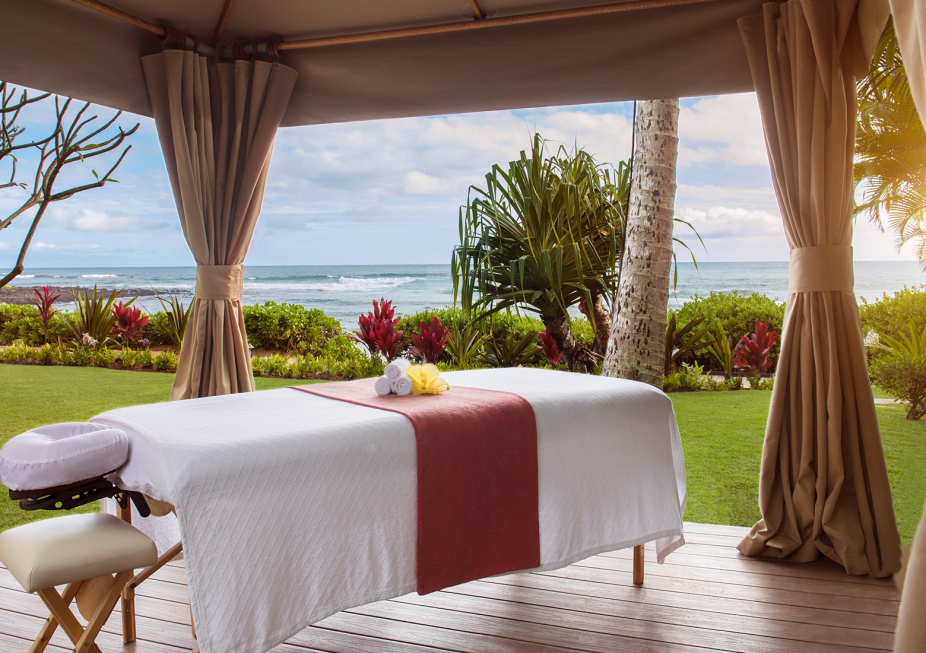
[74, 139]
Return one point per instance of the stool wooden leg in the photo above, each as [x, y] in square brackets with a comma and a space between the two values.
[51, 624]
[59, 609]
[638, 564]
[103, 611]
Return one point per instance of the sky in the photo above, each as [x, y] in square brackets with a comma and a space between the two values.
[389, 191]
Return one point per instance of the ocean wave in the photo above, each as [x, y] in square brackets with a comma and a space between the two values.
[27, 276]
[343, 284]
[99, 276]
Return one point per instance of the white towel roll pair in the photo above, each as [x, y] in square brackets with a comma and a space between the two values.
[398, 382]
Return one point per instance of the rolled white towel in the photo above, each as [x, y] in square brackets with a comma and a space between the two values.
[402, 385]
[383, 386]
[396, 368]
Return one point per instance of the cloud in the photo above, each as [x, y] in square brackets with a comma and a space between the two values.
[438, 156]
[4, 245]
[724, 129]
[94, 221]
[721, 222]
[49, 246]
[369, 214]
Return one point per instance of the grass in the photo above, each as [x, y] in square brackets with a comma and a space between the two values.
[722, 435]
[32, 395]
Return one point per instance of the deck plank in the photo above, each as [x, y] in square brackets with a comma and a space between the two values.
[706, 597]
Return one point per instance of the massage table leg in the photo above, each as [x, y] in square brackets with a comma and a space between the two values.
[638, 564]
[128, 594]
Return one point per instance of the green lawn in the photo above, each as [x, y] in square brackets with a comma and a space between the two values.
[722, 436]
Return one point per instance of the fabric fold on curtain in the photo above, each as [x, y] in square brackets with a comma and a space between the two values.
[910, 25]
[823, 487]
[216, 126]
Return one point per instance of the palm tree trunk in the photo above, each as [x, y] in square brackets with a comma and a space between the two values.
[636, 349]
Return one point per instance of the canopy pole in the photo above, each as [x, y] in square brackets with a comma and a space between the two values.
[477, 23]
[580, 12]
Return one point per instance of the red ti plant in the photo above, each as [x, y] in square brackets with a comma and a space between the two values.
[44, 303]
[129, 322]
[752, 354]
[549, 347]
[431, 343]
[389, 342]
[377, 331]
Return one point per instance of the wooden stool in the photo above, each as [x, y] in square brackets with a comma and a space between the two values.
[82, 551]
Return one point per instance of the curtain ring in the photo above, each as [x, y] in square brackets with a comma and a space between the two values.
[273, 49]
[238, 50]
[172, 37]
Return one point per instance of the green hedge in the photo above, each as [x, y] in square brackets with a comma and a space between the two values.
[891, 314]
[738, 314]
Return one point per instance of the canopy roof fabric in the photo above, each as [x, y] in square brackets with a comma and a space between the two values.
[678, 51]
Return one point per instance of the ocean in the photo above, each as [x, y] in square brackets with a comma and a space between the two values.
[344, 291]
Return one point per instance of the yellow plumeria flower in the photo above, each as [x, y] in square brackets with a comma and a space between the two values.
[426, 379]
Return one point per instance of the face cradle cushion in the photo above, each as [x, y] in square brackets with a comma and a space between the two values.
[61, 454]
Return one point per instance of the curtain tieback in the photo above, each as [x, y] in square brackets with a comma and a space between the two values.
[821, 269]
[219, 281]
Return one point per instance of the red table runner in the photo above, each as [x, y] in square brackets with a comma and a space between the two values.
[478, 512]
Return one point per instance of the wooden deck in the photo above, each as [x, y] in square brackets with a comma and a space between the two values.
[705, 598]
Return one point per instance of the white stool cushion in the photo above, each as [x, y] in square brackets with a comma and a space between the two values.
[61, 454]
[76, 547]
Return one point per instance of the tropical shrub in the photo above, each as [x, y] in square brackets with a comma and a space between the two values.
[176, 317]
[24, 323]
[45, 306]
[902, 372]
[752, 354]
[129, 322]
[411, 324]
[377, 331]
[681, 342]
[686, 377]
[166, 361]
[720, 346]
[737, 314]
[102, 357]
[274, 365]
[430, 344]
[289, 327]
[510, 350]
[95, 319]
[548, 347]
[158, 330]
[464, 347]
[891, 314]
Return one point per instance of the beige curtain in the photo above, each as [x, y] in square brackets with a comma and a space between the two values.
[910, 24]
[823, 487]
[216, 126]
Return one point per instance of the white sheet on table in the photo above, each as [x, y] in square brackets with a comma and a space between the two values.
[293, 507]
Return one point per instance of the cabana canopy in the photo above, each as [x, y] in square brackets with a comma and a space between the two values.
[674, 51]
[824, 481]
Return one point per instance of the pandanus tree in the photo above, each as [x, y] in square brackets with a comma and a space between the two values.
[543, 236]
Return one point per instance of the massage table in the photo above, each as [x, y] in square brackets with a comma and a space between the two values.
[292, 507]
